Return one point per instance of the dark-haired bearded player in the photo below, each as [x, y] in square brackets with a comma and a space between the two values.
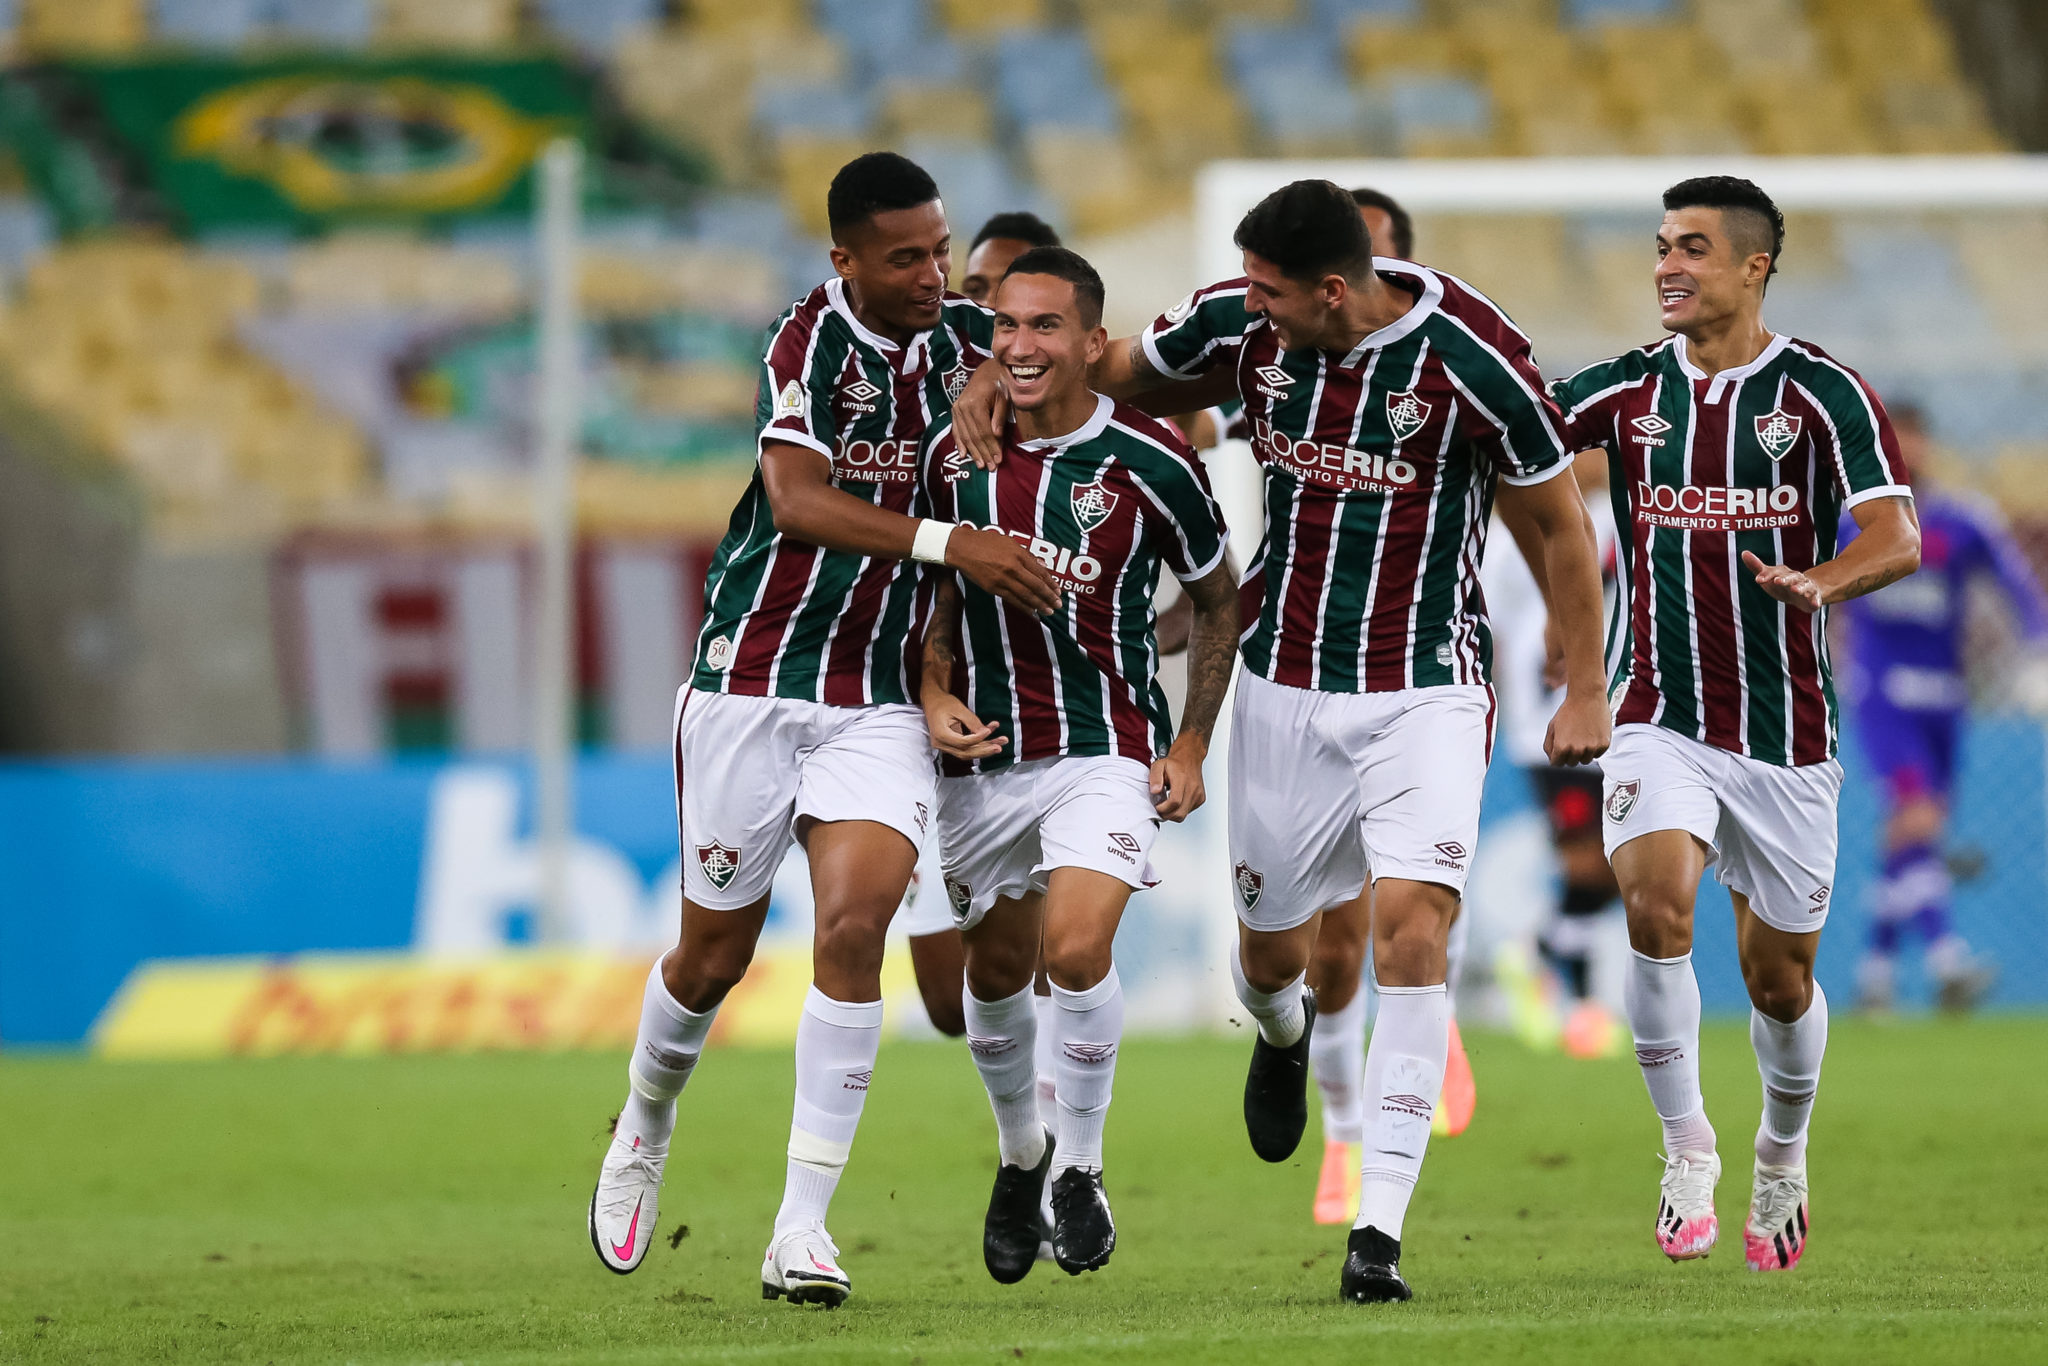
[1363, 720]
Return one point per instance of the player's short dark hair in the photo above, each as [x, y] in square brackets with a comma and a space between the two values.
[1071, 266]
[876, 182]
[1017, 226]
[1309, 229]
[1404, 227]
[1754, 223]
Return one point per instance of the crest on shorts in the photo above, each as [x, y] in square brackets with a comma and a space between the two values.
[1623, 799]
[1776, 431]
[1250, 883]
[720, 862]
[1406, 413]
[1092, 505]
[961, 896]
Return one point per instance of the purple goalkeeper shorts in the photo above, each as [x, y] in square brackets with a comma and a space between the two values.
[1914, 750]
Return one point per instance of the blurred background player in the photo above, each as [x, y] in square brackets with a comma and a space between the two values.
[1060, 759]
[786, 733]
[1002, 239]
[1909, 692]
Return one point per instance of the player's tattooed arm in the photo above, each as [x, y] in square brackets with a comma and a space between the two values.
[1886, 549]
[1177, 788]
[955, 731]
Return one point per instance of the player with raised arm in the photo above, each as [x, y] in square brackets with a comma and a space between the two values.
[1734, 451]
[799, 718]
[1908, 695]
[1362, 724]
[1059, 756]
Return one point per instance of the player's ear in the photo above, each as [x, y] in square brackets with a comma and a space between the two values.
[842, 261]
[1757, 269]
[1333, 290]
[1096, 343]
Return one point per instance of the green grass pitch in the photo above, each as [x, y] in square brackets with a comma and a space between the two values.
[432, 1210]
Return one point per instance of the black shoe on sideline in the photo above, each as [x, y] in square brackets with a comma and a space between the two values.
[1013, 1229]
[1083, 1233]
[1276, 1091]
[1372, 1269]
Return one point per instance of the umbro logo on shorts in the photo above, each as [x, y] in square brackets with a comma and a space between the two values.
[1249, 884]
[1124, 846]
[1623, 799]
[1818, 900]
[924, 814]
[1451, 854]
[1405, 1104]
[721, 863]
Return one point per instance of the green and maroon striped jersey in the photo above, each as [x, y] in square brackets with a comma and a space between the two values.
[1102, 508]
[1379, 476]
[1764, 458]
[783, 618]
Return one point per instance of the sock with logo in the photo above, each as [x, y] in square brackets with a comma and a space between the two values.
[1001, 1036]
[1090, 1025]
[1045, 1054]
[1404, 1077]
[1663, 1000]
[665, 1052]
[1788, 1059]
[1279, 1014]
[1336, 1054]
[836, 1044]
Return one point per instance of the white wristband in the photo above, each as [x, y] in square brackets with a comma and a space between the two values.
[929, 545]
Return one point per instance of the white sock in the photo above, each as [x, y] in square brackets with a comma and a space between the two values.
[1090, 1024]
[1663, 999]
[1788, 1058]
[1045, 1052]
[1279, 1013]
[1337, 1055]
[665, 1052]
[836, 1044]
[1001, 1035]
[1404, 1076]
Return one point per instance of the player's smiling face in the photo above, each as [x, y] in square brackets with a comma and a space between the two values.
[1302, 311]
[898, 262]
[1043, 344]
[1703, 278]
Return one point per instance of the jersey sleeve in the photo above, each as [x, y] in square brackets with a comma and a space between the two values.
[1198, 333]
[1515, 423]
[794, 402]
[1187, 525]
[1856, 437]
[1585, 411]
[974, 326]
[934, 490]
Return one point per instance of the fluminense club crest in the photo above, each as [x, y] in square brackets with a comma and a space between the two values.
[1406, 413]
[1249, 884]
[956, 380]
[720, 862]
[1623, 799]
[1092, 505]
[1776, 431]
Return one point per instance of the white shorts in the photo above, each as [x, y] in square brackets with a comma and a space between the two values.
[1001, 833]
[1771, 828]
[1324, 785]
[748, 767]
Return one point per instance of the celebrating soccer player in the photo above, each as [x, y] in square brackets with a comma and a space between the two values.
[1361, 730]
[1735, 452]
[799, 718]
[1059, 756]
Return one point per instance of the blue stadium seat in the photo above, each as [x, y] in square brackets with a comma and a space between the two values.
[1437, 104]
[875, 27]
[1621, 11]
[1293, 49]
[1336, 16]
[206, 23]
[811, 108]
[329, 23]
[930, 61]
[597, 25]
[1311, 106]
[1051, 80]
[975, 182]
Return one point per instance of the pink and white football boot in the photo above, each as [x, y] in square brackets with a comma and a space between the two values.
[1687, 1226]
[624, 1207]
[1774, 1235]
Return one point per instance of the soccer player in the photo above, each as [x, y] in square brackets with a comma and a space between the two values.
[1002, 239]
[1060, 761]
[1734, 452]
[799, 717]
[1908, 693]
[1362, 724]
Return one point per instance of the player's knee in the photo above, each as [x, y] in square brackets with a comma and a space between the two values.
[1659, 920]
[1337, 963]
[1779, 991]
[851, 942]
[702, 978]
[1075, 962]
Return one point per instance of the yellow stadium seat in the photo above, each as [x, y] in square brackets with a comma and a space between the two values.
[82, 26]
[937, 111]
[982, 16]
[449, 23]
[756, 16]
[805, 167]
[1377, 51]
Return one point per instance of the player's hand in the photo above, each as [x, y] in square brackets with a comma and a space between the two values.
[1001, 566]
[1553, 654]
[1177, 779]
[957, 732]
[980, 413]
[1785, 584]
[1580, 732]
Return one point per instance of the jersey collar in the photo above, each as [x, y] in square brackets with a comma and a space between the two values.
[1097, 422]
[1430, 295]
[1720, 384]
[903, 358]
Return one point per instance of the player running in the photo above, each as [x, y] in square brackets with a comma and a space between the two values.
[1362, 723]
[1908, 696]
[1735, 451]
[1060, 761]
[798, 719]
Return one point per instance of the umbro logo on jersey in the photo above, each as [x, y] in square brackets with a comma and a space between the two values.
[1623, 799]
[720, 863]
[860, 396]
[1092, 505]
[1124, 846]
[1406, 414]
[1249, 884]
[1776, 431]
[1652, 429]
[1273, 381]
[958, 466]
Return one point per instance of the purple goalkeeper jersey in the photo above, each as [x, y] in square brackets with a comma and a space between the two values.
[1906, 639]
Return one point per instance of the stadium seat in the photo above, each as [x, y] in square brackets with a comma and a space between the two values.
[782, 108]
[81, 26]
[1438, 115]
[206, 23]
[449, 23]
[598, 25]
[329, 23]
[1339, 17]
[1591, 12]
[1052, 80]
[979, 17]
